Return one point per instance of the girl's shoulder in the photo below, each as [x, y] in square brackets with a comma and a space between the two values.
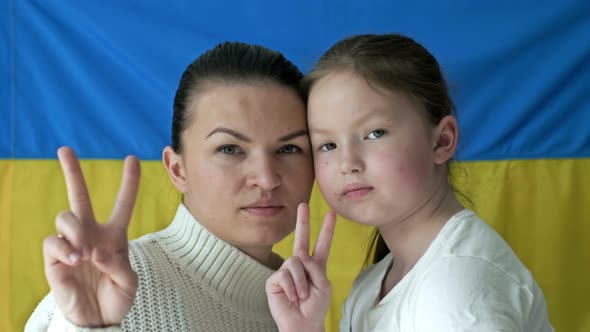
[471, 245]
[457, 288]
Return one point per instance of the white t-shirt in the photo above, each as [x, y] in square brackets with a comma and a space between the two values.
[469, 279]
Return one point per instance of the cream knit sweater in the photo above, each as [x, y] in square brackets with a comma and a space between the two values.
[189, 280]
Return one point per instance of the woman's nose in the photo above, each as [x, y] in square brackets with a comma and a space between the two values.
[264, 174]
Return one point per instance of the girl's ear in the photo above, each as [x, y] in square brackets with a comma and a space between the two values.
[174, 165]
[445, 138]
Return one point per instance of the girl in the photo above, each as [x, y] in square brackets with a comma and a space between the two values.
[241, 157]
[383, 134]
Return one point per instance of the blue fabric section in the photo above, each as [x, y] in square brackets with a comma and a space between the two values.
[5, 79]
[101, 77]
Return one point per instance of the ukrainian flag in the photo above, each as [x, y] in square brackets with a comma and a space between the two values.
[101, 78]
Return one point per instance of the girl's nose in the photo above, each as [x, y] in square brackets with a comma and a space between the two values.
[351, 162]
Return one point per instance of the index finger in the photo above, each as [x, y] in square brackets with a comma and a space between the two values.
[77, 191]
[302, 230]
[125, 202]
[322, 246]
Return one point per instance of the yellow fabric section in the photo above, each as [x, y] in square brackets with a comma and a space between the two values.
[6, 200]
[539, 207]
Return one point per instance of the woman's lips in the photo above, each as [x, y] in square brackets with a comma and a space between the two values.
[264, 211]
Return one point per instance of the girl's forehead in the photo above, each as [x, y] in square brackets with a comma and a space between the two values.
[350, 89]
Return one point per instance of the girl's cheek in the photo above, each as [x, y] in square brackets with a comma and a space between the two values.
[415, 171]
[325, 176]
[321, 165]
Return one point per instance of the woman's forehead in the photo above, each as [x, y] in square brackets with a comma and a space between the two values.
[248, 108]
[237, 97]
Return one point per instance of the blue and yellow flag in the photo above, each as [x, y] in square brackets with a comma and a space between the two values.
[101, 78]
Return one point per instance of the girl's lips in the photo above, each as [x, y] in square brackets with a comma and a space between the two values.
[357, 193]
[356, 190]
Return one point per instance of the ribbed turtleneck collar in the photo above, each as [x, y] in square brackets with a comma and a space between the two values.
[235, 276]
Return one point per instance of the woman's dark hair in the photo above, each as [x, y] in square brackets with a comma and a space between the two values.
[230, 63]
[389, 62]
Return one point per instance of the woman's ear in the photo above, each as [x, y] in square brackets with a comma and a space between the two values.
[174, 165]
[446, 135]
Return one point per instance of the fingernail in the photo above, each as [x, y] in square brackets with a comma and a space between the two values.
[74, 257]
[303, 295]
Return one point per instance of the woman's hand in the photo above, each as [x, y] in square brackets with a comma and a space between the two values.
[299, 292]
[87, 263]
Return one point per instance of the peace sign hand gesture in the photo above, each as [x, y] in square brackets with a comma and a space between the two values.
[299, 292]
[87, 264]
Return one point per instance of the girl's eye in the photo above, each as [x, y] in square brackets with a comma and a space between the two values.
[289, 149]
[230, 149]
[376, 134]
[327, 146]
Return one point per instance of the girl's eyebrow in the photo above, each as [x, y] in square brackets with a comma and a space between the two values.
[319, 131]
[361, 120]
[244, 138]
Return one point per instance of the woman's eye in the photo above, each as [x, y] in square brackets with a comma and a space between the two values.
[288, 149]
[376, 134]
[230, 149]
[327, 146]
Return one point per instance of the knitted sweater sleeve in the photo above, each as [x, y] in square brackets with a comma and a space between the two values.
[48, 317]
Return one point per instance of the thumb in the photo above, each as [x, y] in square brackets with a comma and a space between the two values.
[117, 267]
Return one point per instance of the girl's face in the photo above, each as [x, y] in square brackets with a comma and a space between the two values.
[246, 163]
[374, 152]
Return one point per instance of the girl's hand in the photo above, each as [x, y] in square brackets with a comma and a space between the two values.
[299, 292]
[87, 263]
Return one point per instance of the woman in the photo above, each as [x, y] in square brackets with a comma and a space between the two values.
[240, 155]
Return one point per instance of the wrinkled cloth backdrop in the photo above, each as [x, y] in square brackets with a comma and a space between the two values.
[101, 78]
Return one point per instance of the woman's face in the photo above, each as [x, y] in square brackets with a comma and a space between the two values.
[246, 163]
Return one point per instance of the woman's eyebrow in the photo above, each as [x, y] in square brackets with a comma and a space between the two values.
[230, 132]
[293, 135]
[245, 138]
